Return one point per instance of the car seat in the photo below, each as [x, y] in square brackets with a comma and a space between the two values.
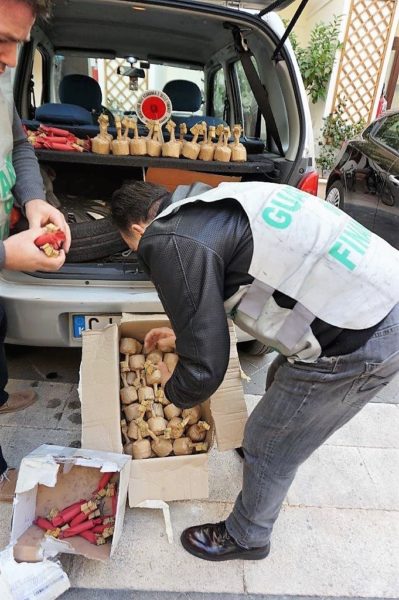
[81, 98]
[186, 97]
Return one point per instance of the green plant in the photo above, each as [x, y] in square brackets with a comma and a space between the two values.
[336, 129]
[317, 58]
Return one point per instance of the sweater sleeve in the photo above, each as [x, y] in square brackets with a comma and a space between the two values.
[189, 279]
[29, 182]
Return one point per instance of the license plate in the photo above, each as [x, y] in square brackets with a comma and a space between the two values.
[82, 323]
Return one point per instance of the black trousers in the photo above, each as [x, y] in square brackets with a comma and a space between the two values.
[3, 373]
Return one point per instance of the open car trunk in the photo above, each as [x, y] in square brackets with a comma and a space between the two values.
[81, 185]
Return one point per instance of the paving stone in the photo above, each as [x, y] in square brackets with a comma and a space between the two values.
[324, 552]
[390, 393]
[251, 401]
[337, 476]
[382, 465]
[376, 426]
[47, 411]
[71, 418]
[18, 441]
[225, 479]
[5, 520]
[144, 560]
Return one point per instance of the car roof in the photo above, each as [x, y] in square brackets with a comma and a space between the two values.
[194, 32]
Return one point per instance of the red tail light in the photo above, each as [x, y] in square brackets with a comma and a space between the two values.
[310, 183]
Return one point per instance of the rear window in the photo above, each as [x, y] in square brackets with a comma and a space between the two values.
[117, 93]
[388, 132]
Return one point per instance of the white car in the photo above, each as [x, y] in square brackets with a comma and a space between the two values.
[76, 66]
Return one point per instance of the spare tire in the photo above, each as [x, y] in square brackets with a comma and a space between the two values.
[94, 240]
[94, 236]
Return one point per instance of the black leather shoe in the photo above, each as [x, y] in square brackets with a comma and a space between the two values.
[212, 541]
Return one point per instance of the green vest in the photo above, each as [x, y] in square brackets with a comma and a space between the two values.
[7, 172]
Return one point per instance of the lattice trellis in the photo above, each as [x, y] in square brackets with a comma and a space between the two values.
[362, 56]
[117, 93]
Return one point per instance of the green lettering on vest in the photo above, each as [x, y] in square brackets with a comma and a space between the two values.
[8, 204]
[276, 218]
[7, 182]
[341, 254]
[10, 170]
[347, 239]
[4, 185]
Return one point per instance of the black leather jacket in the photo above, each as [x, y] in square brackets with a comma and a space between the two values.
[197, 258]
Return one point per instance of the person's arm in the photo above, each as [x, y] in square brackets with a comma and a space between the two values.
[18, 252]
[29, 182]
[29, 190]
[189, 278]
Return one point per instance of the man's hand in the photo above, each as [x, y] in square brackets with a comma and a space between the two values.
[161, 338]
[23, 255]
[39, 213]
[165, 375]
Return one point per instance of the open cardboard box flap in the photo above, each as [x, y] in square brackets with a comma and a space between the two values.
[99, 386]
[54, 476]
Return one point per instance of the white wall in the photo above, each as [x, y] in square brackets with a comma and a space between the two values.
[317, 11]
[158, 75]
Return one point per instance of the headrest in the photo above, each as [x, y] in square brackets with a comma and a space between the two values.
[82, 90]
[65, 114]
[184, 95]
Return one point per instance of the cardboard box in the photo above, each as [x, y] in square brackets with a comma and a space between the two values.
[56, 477]
[171, 178]
[173, 477]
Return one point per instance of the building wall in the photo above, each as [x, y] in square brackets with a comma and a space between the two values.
[317, 11]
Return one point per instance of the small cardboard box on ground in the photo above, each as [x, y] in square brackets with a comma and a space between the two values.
[56, 477]
[173, 477]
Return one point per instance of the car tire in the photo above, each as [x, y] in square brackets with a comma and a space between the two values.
[335, 195]
[254, 348]
[94, 240]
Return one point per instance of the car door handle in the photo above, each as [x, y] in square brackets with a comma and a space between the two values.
[394, 180]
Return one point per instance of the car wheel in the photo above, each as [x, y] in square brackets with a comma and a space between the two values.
[254, 348]
[335, 195]
[94, 236]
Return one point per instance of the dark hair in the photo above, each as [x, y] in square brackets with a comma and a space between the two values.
[136, 201]
[40, 8]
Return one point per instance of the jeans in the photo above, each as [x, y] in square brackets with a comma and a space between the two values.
[304, 404]
[3, 374]
[3, 363]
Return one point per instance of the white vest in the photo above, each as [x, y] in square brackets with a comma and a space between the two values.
[7, 173]
[310, 250]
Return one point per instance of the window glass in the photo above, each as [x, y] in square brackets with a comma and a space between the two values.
[219, 94]
[248, 103]
[117, 93]
[388, 132]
